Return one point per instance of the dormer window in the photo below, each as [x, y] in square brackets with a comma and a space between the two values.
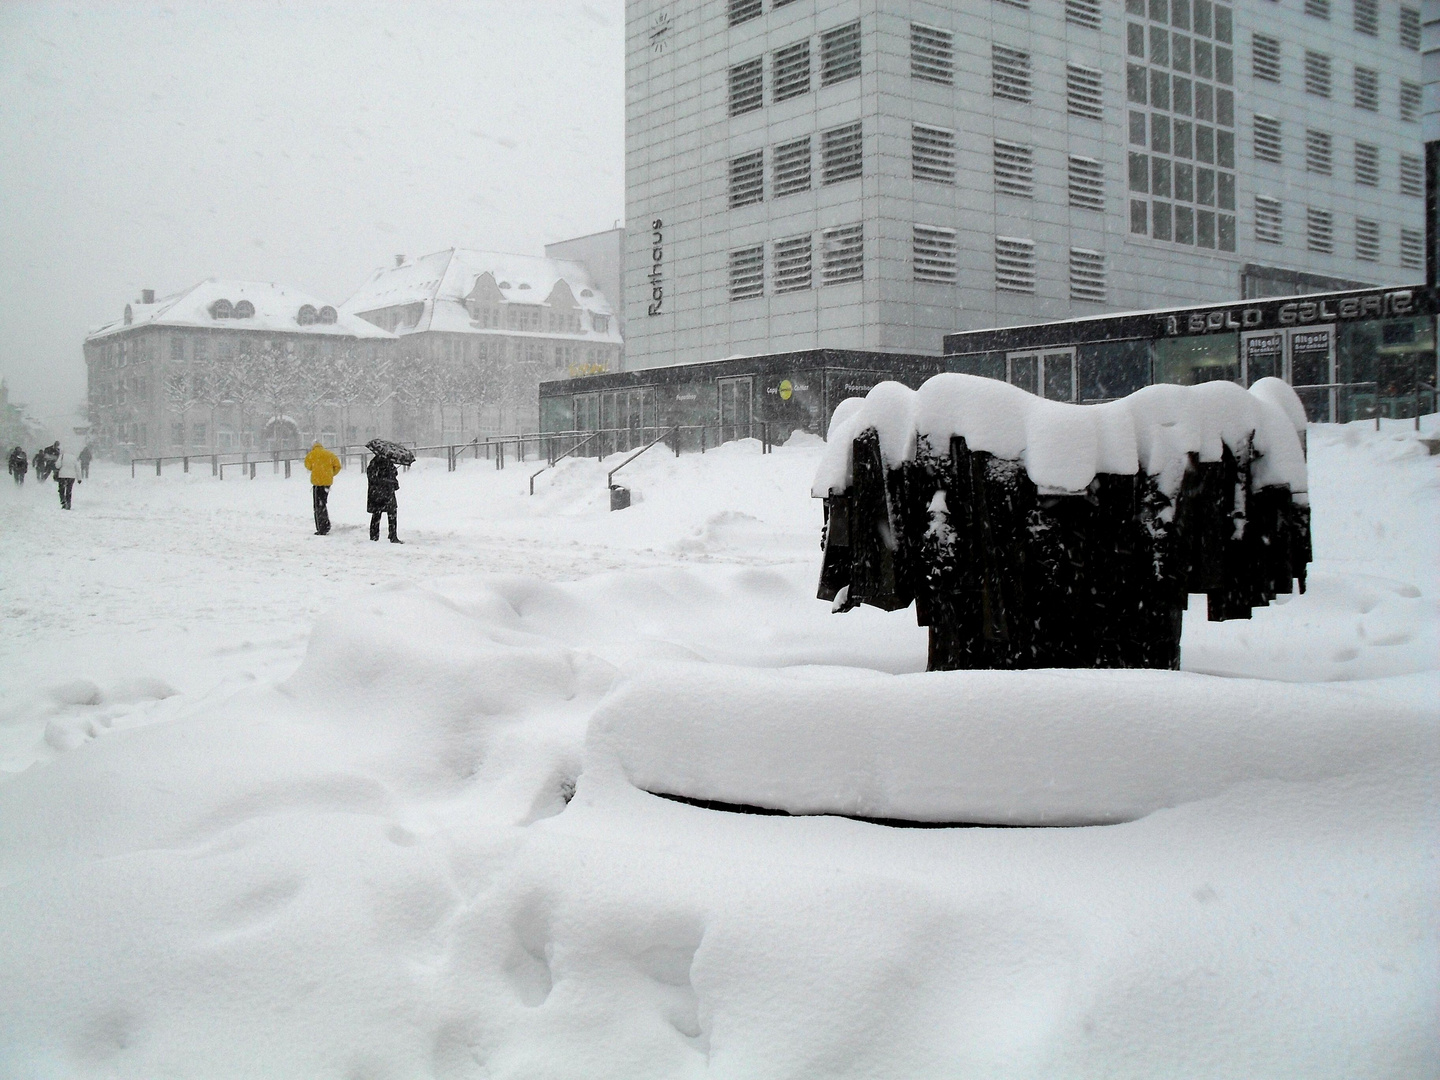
[243, 310]
[505, 285]
[524, 285]
[587, 292]
[307, 316]
[600, 323]
[328, 315]
[220, 309]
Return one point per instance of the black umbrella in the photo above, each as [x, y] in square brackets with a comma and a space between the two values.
[400, 455]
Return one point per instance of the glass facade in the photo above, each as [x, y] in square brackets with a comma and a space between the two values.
[1179, 75]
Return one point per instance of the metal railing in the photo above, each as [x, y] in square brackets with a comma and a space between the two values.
[501, 449]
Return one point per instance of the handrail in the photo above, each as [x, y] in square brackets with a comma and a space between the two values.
[559, 459]
[608, 476]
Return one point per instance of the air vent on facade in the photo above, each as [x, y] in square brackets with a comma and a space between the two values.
[792, 263]
[1319, 9]
[1083, 95]
[1318, 152]
[1267, 139]
[743, 10]
[1367, 89]
[747, 179]
[1412, 176]
[1367, 17]
[1269, 220]
[1317, 74]
[933, 251]
[1265, 58]
[1009, 73]
[932, 54]
[1410, 28]
[1087, 183]
[1014, 169]
[747, 273]
[841, 152]
[1367, 240]
[1412, 249]
[1014, 264]
[1409, 101]
[843, 254]
[790, 166]
[1087, 275]
[1017, 3]
[747, 86]
[1367, 164]
[840, 54]
[932, 154]
[790, 71]
[1083, 13]
[1319, 231]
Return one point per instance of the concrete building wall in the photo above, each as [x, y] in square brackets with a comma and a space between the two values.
[680, 140]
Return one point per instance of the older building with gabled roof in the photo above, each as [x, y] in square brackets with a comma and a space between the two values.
[228, 365]
[494, 325]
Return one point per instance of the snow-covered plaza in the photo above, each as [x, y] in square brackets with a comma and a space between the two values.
[281, 805]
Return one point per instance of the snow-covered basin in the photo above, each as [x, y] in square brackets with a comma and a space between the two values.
[993, 747]
[348, 851]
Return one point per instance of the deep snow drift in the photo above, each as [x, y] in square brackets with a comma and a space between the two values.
[274, 804]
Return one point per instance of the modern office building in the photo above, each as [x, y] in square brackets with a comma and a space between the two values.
[875, 174]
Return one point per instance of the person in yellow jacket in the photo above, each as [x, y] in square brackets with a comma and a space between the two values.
[323, 466]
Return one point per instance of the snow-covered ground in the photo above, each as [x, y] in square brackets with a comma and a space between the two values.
[279, 805]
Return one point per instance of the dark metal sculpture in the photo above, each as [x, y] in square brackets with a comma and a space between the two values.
[1007, 575]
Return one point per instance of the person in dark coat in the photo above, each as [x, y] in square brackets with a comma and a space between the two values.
[84, 459]
[39, 462]
[19, 464]
[380, 498]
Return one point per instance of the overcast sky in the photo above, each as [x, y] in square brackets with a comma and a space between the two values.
[148, 145]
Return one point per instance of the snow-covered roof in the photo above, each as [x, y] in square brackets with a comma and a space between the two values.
[442, 281]
[275, 308]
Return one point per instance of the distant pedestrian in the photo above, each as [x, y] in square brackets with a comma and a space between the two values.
[85, 457]
[323, 466]
[67, 472]
[380, 499]
[19, 465]
[39, 462]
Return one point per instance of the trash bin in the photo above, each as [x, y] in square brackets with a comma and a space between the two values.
[619, 497]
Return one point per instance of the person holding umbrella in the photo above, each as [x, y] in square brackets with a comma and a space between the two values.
[384, 482]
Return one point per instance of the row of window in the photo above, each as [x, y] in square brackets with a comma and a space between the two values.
[790, 70]
[1319, 79]
[1081, 12]
[933, 159]
[842, 259]
[934, 256]
[1320, 156]
[1367, 20]
[1320, 233]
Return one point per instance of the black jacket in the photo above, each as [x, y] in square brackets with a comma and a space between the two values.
[383, 484]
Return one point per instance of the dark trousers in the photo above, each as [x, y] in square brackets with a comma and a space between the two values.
[322, 508]
[375, 524]
[19, 476]
[67, 484]
[85, 470]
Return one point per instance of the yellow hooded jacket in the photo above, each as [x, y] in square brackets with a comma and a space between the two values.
[323, 466]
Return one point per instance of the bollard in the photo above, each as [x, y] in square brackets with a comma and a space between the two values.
[157, 466]
[276, 469]
[252, 470]
[287, 468]
[132, 468]
[215, 466]
[186, 460]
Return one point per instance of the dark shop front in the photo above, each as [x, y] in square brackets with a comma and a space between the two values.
[1350, 355]
[764, 397]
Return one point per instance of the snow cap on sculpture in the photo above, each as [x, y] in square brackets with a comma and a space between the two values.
[1064, 446]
